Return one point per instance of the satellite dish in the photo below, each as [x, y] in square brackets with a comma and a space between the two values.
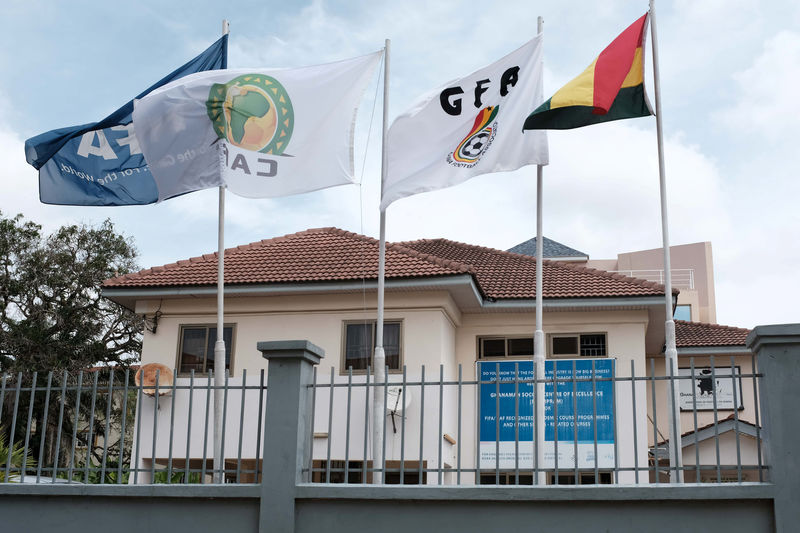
[146, 378]
[397, 401]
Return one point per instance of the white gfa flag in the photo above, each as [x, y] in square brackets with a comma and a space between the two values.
[470, 126]
[260, 132]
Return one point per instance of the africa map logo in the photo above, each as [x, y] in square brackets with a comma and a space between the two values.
[480, 137]
[253, 112]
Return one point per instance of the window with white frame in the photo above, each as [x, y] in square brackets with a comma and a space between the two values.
[196, 348]
[359, 344]
[578, 345]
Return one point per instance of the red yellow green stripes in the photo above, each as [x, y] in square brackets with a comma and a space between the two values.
[611, 88]
[482, 121]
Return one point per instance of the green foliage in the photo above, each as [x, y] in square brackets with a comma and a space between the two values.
[52, 316]
[17, 462]
[161, 476]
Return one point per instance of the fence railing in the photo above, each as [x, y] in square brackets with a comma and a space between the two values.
[99, 427]
[605, 422]
[682, 278]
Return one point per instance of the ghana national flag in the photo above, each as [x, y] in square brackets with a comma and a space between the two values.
[611, 88]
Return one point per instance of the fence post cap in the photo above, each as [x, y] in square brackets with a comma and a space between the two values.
[294, 349]
[773, 334]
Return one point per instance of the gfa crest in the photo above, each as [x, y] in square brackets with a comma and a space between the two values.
[253, 112]
[478, 140]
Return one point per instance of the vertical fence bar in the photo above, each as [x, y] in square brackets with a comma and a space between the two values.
[694, 418]
[635, 419]
[89, 434]
[222, 467]
[209, 382]
[3, 394]
[75, 427]
[22, 467]
[366, 426]
[458, 430]
[347, 427]
[575, 419]
[614, 382]
[13, 425]
[261, 390]
[716, 415]
[403, 433]
[676, 420]
[555, 420]
[124, 423]
[655, 420]
[187, 472]
[241, 425]
[439, 436]
[478, 385]
[60, 422]
[109, 403]
[594, 424]
[155, 428]
[421, 421]
[497, 424]
[330, 432]
[313, 416]
[736, 421]
[516, 423]
[43, 429]
[758, 421]
[383, 444]
[172, 426]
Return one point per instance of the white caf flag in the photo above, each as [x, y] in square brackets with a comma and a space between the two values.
[260, 132]
[468, 127]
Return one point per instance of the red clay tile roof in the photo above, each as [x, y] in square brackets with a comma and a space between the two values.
[504, 275]
[330, 254]
[693, 334]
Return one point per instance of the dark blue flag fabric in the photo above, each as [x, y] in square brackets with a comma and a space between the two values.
[100, 163]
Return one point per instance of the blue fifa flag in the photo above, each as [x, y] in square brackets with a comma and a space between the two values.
[101, 163]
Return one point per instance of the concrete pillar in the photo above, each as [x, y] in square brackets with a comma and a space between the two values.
[778, 351]
[287, 442]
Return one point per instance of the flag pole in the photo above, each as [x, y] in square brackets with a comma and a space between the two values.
[670, 351]
[538, 339]
[219, 345]
[379, 359]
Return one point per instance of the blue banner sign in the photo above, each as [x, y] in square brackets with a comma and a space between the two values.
[581, 408]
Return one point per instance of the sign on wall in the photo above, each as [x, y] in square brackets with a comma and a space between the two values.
[705, 386]
[507, 414]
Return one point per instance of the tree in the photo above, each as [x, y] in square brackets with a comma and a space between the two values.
[52, 316]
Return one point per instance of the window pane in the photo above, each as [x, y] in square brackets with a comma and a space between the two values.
[358, 346]
[493, 347]
[683, 312]
[227, 336]
[193, 350]
[565, 345]
[391, 344]
[520, 346]
[593, 345]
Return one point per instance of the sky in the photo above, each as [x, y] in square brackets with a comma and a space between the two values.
[729, 76]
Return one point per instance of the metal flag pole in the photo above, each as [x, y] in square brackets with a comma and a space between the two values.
[219, 345]
[538, 338]
[670, 351]
[379, 360]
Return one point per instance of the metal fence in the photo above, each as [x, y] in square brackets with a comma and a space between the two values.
[100, 427]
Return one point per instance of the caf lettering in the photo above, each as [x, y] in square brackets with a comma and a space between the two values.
[450, 98]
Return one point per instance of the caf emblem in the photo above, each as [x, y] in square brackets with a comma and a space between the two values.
[253, 112]
[477, 141]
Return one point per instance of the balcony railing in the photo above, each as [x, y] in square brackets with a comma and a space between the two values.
[682, 278]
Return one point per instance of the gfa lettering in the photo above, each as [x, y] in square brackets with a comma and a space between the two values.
[451, 101]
